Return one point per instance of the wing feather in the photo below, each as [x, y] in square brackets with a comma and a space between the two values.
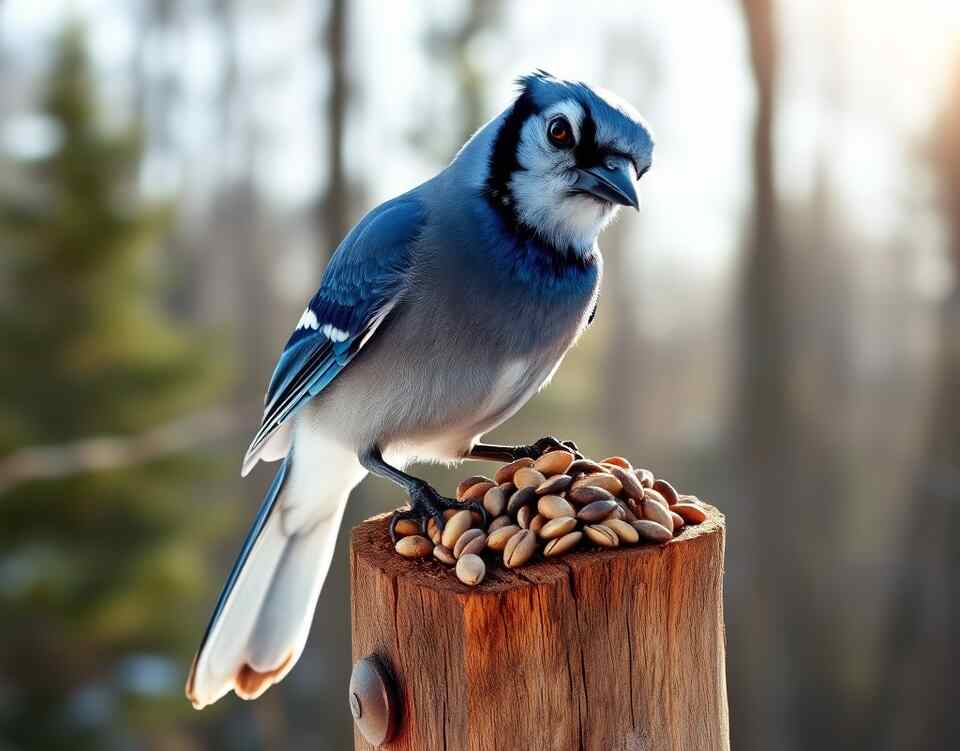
[360, 287]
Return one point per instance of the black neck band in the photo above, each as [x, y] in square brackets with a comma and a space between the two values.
[503, 164]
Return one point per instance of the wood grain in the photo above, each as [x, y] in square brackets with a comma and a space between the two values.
[613, 650]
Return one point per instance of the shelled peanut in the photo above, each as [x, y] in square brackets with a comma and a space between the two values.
[550, 507]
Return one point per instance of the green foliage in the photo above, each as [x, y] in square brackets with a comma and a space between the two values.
[95, 569]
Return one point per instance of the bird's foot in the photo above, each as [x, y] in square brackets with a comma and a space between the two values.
[426, 504]
[544, 445]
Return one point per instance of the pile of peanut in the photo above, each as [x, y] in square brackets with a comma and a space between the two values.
[552, 505]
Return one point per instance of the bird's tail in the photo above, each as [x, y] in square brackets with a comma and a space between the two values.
[262, 618]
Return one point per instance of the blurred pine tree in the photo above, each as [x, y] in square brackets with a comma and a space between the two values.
[96, 568]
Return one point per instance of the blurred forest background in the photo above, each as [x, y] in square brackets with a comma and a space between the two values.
[779, 330]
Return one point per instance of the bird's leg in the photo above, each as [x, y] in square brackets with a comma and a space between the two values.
[425, 502]
[493, 452]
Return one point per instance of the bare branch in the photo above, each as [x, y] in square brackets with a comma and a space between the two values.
[112, 452]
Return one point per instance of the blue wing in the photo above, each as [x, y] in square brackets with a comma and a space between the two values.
[361, 284]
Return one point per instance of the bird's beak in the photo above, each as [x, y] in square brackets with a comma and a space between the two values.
[609, 181]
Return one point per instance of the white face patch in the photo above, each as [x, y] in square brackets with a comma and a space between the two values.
[308, 320]
[541, 189]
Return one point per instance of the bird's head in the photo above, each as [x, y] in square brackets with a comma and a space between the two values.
[565, 158]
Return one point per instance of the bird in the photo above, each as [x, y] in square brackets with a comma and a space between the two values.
[440, 314]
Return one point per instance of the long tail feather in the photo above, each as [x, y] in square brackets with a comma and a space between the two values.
[261, 621]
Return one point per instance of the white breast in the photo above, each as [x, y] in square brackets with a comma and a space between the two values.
[517, 382]
[511, 383]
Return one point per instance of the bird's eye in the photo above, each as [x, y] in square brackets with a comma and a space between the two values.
[560, 133]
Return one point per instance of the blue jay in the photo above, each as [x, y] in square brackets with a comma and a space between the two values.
[439, 315]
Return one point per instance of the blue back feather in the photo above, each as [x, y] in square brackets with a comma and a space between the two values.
[365, 274]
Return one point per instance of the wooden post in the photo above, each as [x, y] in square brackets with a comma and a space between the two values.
[613, 650]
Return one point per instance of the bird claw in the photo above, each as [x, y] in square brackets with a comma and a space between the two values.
[546, 444]
[400, 515]
[425, 504]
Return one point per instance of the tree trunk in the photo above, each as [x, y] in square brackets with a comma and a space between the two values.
[611, 650]
[917, 709]
[763, 428]
[334, 212]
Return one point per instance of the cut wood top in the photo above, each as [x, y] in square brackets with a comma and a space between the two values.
[371, 545]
